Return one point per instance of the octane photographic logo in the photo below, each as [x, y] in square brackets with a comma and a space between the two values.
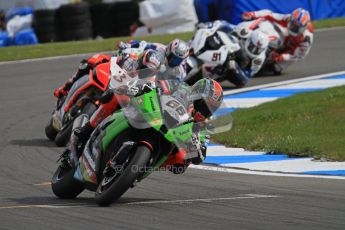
[150, 169]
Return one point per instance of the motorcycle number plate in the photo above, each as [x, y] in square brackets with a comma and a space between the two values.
[174, 108]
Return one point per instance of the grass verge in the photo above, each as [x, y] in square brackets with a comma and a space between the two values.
[66, 48]
[326, 23]
[307, 124]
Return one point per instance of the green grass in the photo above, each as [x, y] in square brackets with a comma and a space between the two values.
[326, 23]
[307, 124]
[79, 47]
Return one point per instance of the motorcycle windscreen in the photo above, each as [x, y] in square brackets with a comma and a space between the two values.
[76, 86]
[127, 74]
[157, 103]
[190, 139]
[168, 107]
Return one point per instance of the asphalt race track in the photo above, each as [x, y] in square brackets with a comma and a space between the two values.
[195, 200]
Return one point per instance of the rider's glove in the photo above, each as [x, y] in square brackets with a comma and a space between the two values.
[147, 87]
[60, 92]
[231, 65]
[276, 57]
[123, 45]
[246, 16]
[204, 25]
[63, 90]
[152, 59]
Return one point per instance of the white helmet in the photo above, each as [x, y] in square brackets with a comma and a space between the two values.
[256, 43]
[176, 52]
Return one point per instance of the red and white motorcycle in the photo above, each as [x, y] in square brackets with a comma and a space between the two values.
[83, 98]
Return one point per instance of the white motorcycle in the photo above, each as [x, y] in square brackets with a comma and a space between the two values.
[211, 51]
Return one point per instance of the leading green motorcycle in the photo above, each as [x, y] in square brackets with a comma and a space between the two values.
[130, 144]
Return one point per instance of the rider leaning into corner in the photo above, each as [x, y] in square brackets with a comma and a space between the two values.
[249, 59]
[149, 58]
[204, 98]
[174, 55]
[298, 40]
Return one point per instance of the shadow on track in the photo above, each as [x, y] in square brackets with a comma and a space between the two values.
[82, 201]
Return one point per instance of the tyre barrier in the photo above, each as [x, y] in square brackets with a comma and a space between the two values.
[113, 19]
[82, 21]
[74, 22]
[44, 25]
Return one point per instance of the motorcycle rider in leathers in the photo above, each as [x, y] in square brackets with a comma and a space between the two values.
[110, 101]
[174, 55]
[204, 98]
[298, 40]
[249, 59]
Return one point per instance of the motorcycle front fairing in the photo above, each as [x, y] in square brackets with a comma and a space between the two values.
[275, 32]
[215, 48]
[89, 165]
[60, 113]
[98, 78]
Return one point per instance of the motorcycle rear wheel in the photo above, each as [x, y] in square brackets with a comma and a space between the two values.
[113, 190]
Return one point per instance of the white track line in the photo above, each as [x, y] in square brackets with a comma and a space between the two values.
[53, 58]
[236, 91]
[66, 205]
[186, 201]
[262, 173]
[204, 200]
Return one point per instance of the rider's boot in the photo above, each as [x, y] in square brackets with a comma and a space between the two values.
[176, 162]
[79, 138]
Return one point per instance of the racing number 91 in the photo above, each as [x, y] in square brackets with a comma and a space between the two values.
[216, 57]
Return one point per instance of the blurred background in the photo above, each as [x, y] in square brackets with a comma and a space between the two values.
[24, 22]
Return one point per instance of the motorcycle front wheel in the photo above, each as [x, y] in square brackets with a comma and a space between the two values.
[112, 188]
[63, 183]
[64, 135]
[50, 131]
